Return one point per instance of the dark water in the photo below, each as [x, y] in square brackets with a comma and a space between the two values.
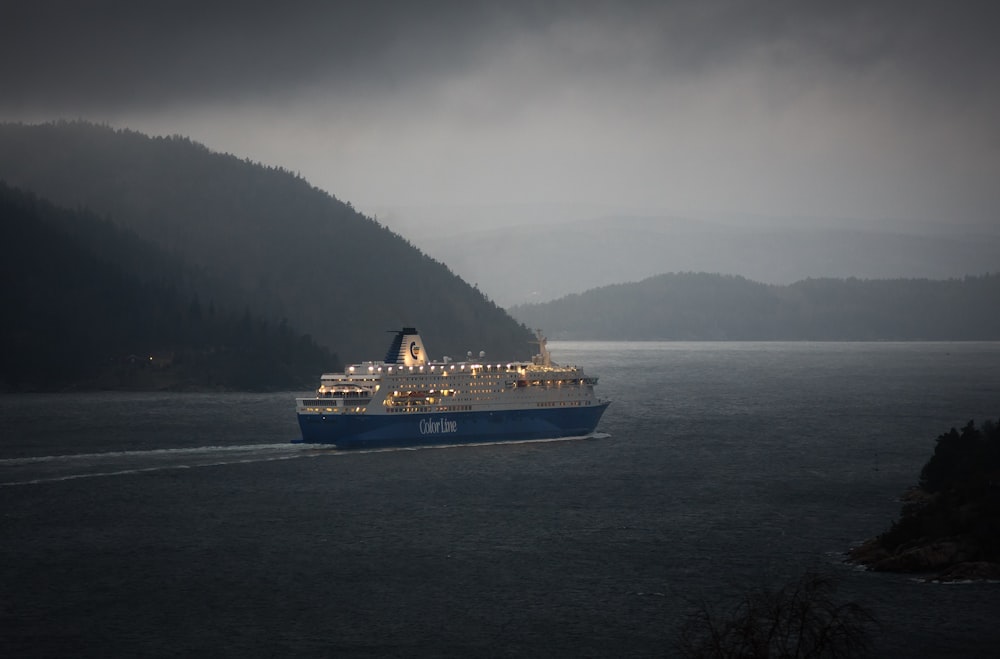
[185, 525]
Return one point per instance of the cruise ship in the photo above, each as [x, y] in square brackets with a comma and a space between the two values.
[407, 399]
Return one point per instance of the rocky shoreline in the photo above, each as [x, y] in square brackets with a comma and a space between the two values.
[949, 526]
[940, 560]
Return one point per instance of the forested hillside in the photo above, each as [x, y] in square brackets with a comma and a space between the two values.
[261, 238]
[699, 306]
[88, 305]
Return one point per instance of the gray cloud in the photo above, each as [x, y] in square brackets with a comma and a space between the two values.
[851, 108]
[110, 55]
[100, 55]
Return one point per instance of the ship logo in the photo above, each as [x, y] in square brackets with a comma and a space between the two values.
[414, 350]
[438, 426]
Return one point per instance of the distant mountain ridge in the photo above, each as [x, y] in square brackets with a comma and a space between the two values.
[702, 306]
[262, 238]
[516, 263]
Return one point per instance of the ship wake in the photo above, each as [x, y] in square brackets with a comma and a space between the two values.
[54, 468]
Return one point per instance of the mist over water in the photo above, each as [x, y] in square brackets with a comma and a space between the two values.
[185, 523]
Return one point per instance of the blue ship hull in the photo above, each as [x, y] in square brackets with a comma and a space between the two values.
[373, 431]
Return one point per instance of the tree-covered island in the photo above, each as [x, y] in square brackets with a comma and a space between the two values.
[949, 526]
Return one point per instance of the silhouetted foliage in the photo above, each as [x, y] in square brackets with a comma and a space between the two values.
[260, 237]
[953, 517]
[89, 305]
[701, 306]
[800, 619]
[963, 477]
[965, 463]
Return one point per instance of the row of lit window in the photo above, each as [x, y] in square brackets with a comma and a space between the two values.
[409, 402]
[474, 368]
[422, 409]
[344, 394]
[349, 380]
[438, 378]
[448, 392]
[335, 410]
[444, 392]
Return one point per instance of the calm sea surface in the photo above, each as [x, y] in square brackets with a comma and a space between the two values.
[186, 525]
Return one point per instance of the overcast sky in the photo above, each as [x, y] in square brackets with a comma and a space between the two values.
[865, 110]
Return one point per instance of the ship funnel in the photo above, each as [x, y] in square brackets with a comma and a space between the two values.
[406, 349]
[543, 358]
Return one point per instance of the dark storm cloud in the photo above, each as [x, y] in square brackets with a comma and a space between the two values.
[81, 56]
[102, 55]
[862, 109]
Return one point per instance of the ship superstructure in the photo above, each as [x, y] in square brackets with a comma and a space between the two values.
[407, 398]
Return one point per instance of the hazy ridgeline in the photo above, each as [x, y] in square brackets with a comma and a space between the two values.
[538, 250]
[699, 306]
[180, 267]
